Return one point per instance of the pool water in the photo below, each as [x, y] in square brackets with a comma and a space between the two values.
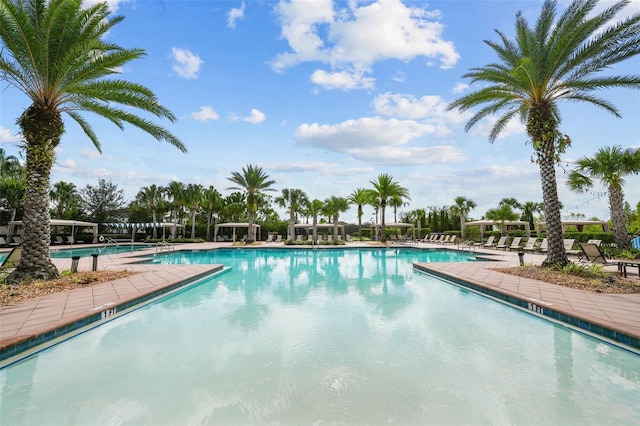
[102, 250]
[324, 336]
[3, 256]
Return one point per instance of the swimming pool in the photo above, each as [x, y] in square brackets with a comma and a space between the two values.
[102, 250]
[324, 336]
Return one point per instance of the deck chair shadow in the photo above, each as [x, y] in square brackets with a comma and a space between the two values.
[593, 254]
[13, 259]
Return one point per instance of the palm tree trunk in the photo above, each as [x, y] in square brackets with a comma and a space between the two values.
[462, 225]
[382, 230]
[41, 130]
[155, 220]
[193, 224]
[616, 207]
[556, 254]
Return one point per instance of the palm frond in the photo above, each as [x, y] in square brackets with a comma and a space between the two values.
[87, 129]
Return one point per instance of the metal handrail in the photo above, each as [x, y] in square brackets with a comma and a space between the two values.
[162, 244]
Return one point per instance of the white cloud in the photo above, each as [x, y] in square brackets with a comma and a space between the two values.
[409, 155]
[513, 127]
[431, 108]
[7, 137]
[113, 4]
[186, 63]
[341, 80]
[460, 87]
[324, 168]
[66, 164]
[357, 36]
[206, 113]
[90, 154]
[234, 15]
[255, 117]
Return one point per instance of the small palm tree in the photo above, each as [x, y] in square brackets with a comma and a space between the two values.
[609, 165]
[461, 208]
[396, 202]
[333, 206]
[193, 199]
[253, 181]
[54, 52]
[315, 208]
[212, 203]
[384, 189]
[360, 197]
[64, 195]
[175, 190]
[554, 60]
[292, 200]
[150, 197]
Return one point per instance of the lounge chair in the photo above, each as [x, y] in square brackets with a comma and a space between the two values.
[452, 239]
[530, 245]
[15, 241]
[568, 247]
[270, 238]
[593, 254]
[393, 238]
[3, 242]
[348, 238]
[596, 242]
[12, 260]
[278, 238]
[502, 243]
[58, 240]
[490, 242]
[515, 244]
[299, 237]
[544, 246]
[444, 239]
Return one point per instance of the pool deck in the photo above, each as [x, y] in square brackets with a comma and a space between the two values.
[47, 317]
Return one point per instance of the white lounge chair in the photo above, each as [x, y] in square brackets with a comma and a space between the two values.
[502, 243]
[490, 242]
[515, 244]
[530, 245]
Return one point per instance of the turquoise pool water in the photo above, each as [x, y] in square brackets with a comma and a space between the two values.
[324, 337]
[103, 250]
[3, 256]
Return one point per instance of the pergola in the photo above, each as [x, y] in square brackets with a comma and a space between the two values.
[234, 226]
[377, 226]
[73, 224]
[579, 224]
[483, 224]
[135, 226]
[319, 226]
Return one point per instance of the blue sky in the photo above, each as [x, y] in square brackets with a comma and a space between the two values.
[325, 96]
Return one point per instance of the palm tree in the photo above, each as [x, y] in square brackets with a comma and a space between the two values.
[333, 206]
[314, 208]
[64, 194]
[529, 208]
[253, 180]
[212, 203]
[175, 190]
[54, 52]
[385, 188]
[360, 197]
[193, 199]
[504, 213]
[609, 165]
[552, 61]
[13, 190]
[292, 200]
[150, 197]
[461, 208]
[396, 202]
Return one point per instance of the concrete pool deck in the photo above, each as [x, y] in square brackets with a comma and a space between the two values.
[24, 324]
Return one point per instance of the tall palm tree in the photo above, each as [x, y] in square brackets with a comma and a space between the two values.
[609, 165]
[529, 208]
[175, 190]
[253, 181]
[64, 195]
[193, 199]
[292, 200]
[384, 189]
[396, 202]
[333, 206]
[314, 208]
[54, 52]
[212, 203]
[461, 208]
[360, 197]
[554, 60]
[150, 197]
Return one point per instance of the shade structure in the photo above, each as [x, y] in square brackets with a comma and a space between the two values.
[233, 226]
[579, 224]
[14, 226]
[134, 226]
[483, 224]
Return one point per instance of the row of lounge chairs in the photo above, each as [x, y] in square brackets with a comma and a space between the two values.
[440, 239]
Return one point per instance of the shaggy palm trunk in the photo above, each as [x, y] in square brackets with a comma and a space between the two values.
[616, 198]
[155, 220]
[41, 129]
[251, 237]
[335, 228]
[542, 127]
[292, 221]
[462, 225]
[383, 236]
